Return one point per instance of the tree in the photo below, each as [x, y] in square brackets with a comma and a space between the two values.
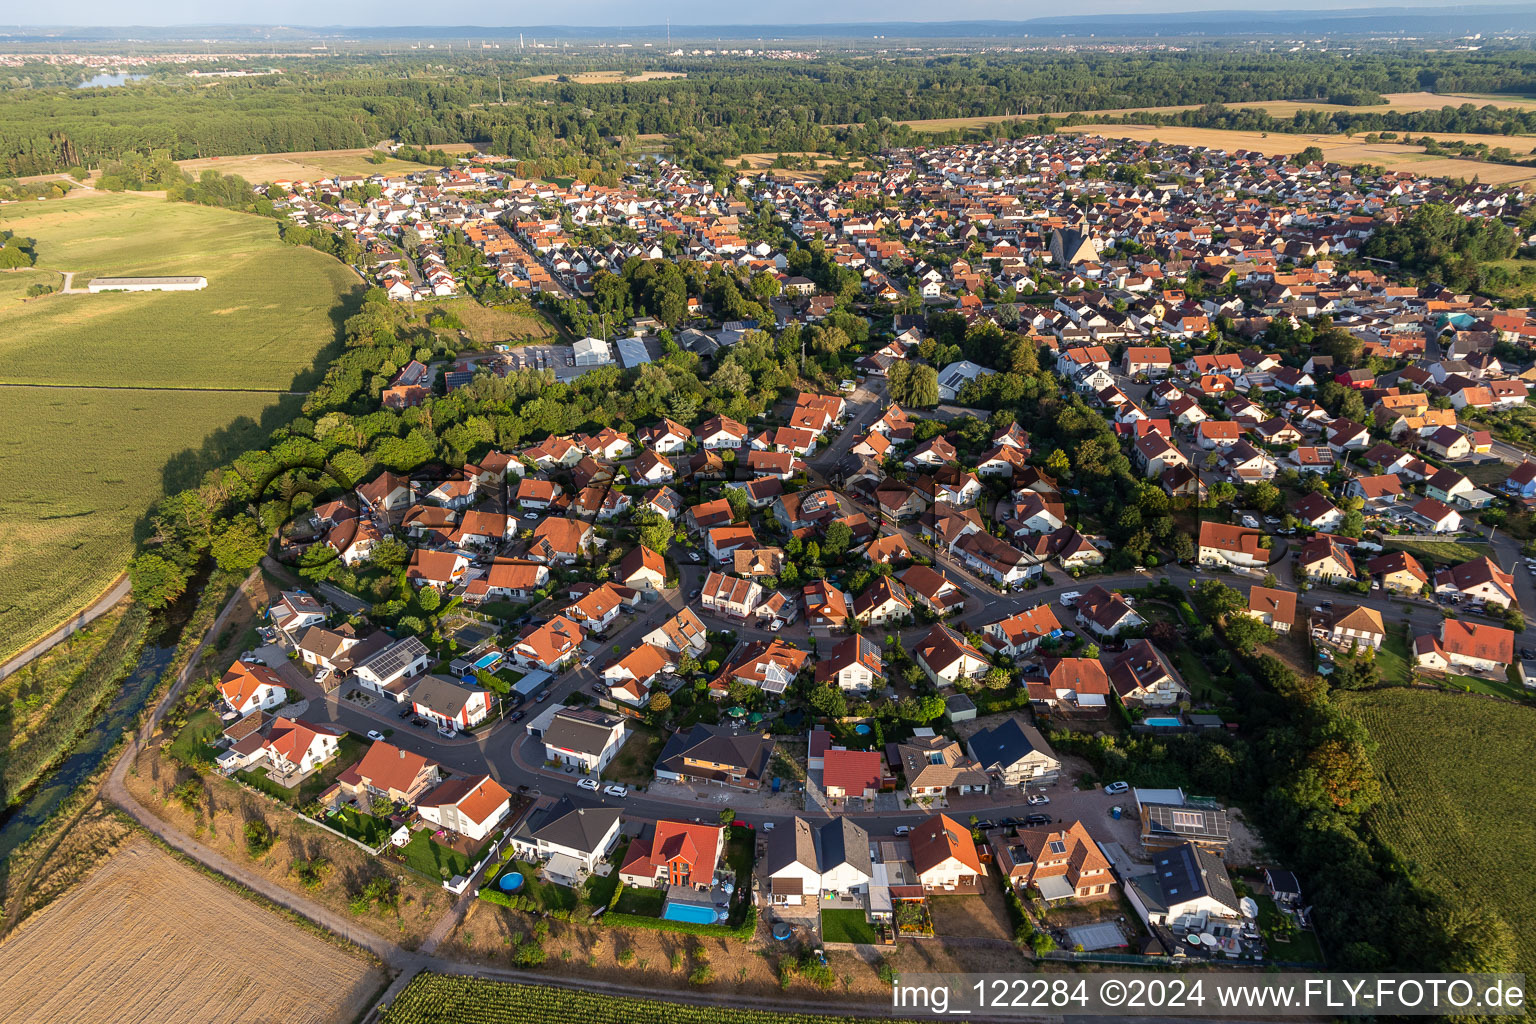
[997, 678]
[736, 497]
[660, 703]
[829, 701]
[913, 384]
[655, 531]
[156, 582]
[1246, 633]
[835, 543]
[240, 545]
[1218, 600]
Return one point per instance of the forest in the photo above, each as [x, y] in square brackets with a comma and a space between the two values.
[843, 104]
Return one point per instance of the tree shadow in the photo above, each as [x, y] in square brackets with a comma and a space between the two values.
[188, 467]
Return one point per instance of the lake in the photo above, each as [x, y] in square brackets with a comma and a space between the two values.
[107, 81]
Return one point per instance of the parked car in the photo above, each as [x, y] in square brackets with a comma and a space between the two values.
[1070, 598]
[767, 826]
[516, 716]
[587, 784]
[1036, 820]
[775, 626]
[902, 830]
[375, 735]
[407, 711]
[543, 696]
[693, 556]
[618, 791]
[530, 515]
[985, 824]
[1036, 799]
[1116, 788]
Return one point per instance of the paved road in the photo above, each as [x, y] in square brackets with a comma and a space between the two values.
[118, 592]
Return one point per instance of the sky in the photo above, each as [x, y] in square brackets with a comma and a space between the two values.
[626, 12]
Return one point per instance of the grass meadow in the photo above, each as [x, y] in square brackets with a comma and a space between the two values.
[1456, 797]
[14, 283]
[92, 442]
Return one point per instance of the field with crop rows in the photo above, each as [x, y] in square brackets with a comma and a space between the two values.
[1457, 793]
[82, 464]
[147, 938]
[260, 168]
[451, 999]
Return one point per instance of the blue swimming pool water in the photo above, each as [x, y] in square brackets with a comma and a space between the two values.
[689, 912]
[862, 729]
[487, 660]
[512, 881]
[1165, 723]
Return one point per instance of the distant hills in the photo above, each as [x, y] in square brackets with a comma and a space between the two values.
[1431, 22]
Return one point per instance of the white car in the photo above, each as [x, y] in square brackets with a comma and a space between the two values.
[1038, 798]
[618, 791]
[375, 735]
[902, 830]
[1116, 788]
[767, 826]
[776, 625]
[587, 784]
[1070, 598]
[693, 556]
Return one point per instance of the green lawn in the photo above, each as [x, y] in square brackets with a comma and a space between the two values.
[268, 312]
[195, 740]
[429, 857]
[547, 895]
[1510, 688]
[1394, 657]
[1201, 684]
[641, 902]
[348, 752]
[366, 828]
[598, 889]
[14, 283]
[847, 926]
[1302, 947]
[634, 765]
[1439, 552]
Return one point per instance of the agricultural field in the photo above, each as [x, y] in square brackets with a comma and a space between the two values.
[158, 933]
[14, 283]
[309, 166]
[1336, 148]
[1456, 797]
[1406, 102]
[450, 998]
[95, 436]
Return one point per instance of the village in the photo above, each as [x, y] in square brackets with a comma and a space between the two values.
[814, 669]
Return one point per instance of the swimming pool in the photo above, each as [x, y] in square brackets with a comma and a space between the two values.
[690, 912]
[1164, 723]
[488, 660]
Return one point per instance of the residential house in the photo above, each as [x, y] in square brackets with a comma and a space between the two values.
[935, 766]
[470, 805]
[450, 705]
[642, 569]
[1142, 676]
[248, 687]
[1106, 613]
[944, 856]
[712, 755]
[853, 665]
[1398, 571]
[1480, 580]
[1466, 646]
[883, 603]
[1020, 633]
[1224, 545]
[683, 632]
[571, 841]
[1348, 625]
[392, 670]
[674, 854]
[584, 738]
[1273, 607]
[1014, 753]
[1324, 558]
[947, 657]
[1080, 684]
[859, 774]
[1186, 884]
[931, 589]
[1060, 863]
[389, 773]
[729, 596]
[548, 645]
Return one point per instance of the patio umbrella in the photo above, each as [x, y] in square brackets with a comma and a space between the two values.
[736, 712]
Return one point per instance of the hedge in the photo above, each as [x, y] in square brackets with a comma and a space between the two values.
[743, 931]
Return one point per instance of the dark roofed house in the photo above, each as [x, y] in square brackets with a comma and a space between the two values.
[582, 836]
[1185, 882]
[710, 754]
[1016, 753]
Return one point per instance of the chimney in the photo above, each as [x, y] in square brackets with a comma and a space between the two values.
[402, 755]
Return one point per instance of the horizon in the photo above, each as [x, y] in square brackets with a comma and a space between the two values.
[100, 15]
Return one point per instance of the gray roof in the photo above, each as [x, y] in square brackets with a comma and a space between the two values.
[582, 730]
[796, 844]
[843, 841]
[443, 695]
[1008, 743]
[565, 824]
[1184, 873]
[1186, 822]
[394, 658]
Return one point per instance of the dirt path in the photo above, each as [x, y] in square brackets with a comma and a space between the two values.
[69, 287]
[116, 593]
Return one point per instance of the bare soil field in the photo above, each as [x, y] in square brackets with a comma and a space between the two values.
[645, 958]
[610, 77]
[341, 870]
[1337, 148]
[308, 166]
[158, 936]
[1406, 102]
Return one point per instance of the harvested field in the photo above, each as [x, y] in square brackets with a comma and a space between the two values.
[496, 325]
[158, 933]
[309, 166]
[1406, 102]
[1338, 148]
[609, 77]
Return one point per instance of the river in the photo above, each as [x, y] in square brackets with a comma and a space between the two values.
[107, 81]
[86, 756]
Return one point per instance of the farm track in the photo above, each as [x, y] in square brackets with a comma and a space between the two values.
[137, 387]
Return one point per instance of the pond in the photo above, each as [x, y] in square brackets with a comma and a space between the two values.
[107, 81]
